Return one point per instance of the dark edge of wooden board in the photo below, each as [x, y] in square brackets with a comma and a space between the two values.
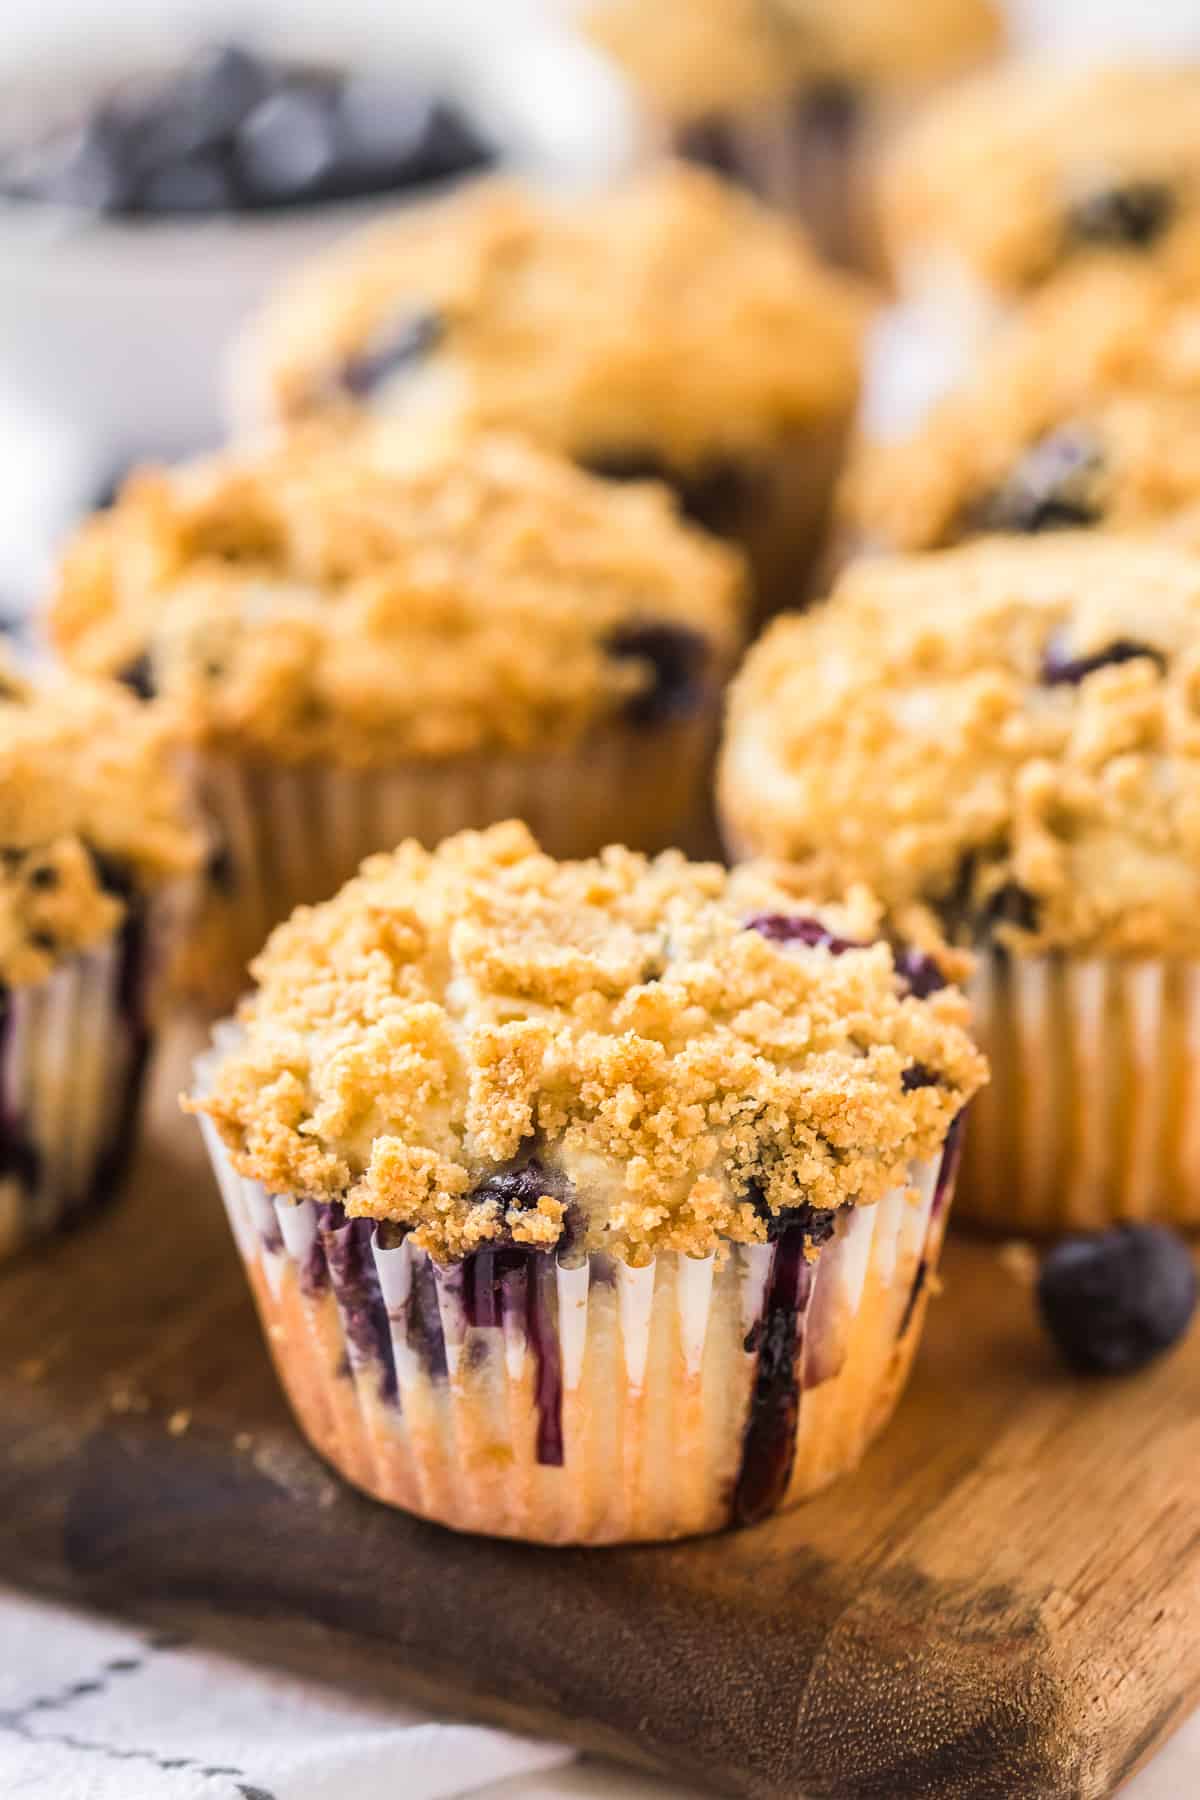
[1005, 1601]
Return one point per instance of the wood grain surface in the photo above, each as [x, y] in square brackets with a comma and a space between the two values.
[1004, 1602]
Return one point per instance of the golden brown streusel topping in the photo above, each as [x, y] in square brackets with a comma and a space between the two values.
[354, 595]
[692, 57]
[1119, 462]
[1020, 169]
[88, 808]
[671, 316]
[1008, 733]
[449, 1016]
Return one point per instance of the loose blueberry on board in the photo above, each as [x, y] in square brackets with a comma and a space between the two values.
[1054, 487]
[1114, 1301]
[1135, 215]
[1058, 669]
[677, 657]
[788, 928]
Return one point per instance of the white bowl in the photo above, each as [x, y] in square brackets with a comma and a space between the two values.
[114, 333]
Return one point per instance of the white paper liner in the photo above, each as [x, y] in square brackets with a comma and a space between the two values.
[1092, 1114]
[73, 1051]
[590, 1404]
[294, 833]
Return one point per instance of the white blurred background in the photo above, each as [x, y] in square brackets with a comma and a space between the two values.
[89, 378]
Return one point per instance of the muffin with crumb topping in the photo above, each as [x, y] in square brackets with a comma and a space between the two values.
[669, 328]
[982, 464]
[1003, 740]
[357, 638]
[1030, 172]
[594, 1201]
[793, 98]
[95, 855]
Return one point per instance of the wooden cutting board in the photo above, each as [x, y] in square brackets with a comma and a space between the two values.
[1004, 1602]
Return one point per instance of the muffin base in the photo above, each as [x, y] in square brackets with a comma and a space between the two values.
[73, 1056]
[521, 1397]
[774, 505]
[1092, 1115]
[292, 834]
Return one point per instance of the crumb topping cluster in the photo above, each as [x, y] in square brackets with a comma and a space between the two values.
[1007, 734]
[673, 315]
[1020, 169]
[694, 56]
[354, 595]
[90, 815]
[488, 1046]
[999, 459]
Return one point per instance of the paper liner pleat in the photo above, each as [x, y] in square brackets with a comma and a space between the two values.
[1092, 1115]
[645, 1375]
[71, 1065]
[292, 834]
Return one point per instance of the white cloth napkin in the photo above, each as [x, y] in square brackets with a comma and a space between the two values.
[92, 1710]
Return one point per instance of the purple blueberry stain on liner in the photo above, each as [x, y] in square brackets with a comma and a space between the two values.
[769, 1445]
[355, 1280]
[947, 1171]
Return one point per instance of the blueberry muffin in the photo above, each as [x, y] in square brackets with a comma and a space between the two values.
[792, 97]
[1126, 461]
[1106, 328]
[671, 328]
[1002, 739]
[588, 1202]
[1028, 171]
[95, 855]
[355, 639]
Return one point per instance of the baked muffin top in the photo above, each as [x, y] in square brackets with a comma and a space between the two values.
[1125, 461]
[91, 818]
[485, 1045]
[356, 595]
[1005, 735]
[672, 316]
[691, 57]
[1021, 169]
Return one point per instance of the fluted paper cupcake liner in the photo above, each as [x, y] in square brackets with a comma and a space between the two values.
[73, 1055]
[520, 1396]
[1093, 1111]
[288, 834]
